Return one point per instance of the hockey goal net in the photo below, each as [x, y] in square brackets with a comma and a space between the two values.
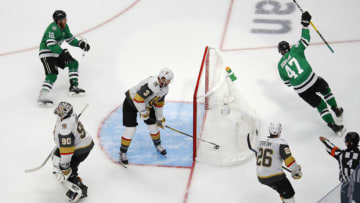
[221, 114]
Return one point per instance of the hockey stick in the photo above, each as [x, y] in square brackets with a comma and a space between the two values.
[312, 24]
[249, 145]
[216, 146]
[52, 151]
[43, 164]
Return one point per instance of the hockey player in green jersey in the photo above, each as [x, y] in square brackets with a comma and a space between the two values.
[296, 72]
[53, 57]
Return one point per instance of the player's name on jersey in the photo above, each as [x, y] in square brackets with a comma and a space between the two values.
[286, 61]
[265, 144]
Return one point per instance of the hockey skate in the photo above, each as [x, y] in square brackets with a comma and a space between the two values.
[338, 129]
[338, 113]
[76, 91]
[161, 149]
[123, 160]
[43, 99]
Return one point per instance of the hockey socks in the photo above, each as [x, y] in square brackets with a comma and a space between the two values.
[156, 138]
[125, 143]
[325, 113]
[49, 82]
[330, 99]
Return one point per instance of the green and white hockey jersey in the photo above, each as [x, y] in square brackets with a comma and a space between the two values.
[293, 67]
[52, 39]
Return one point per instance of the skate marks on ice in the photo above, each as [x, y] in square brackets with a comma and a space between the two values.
[142, 151]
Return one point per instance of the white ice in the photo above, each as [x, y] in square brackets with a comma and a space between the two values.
[151, 35]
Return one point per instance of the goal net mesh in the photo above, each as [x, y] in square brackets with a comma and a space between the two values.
[221, 115]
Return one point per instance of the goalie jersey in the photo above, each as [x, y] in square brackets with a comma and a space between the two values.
[148, 94]
[71, 139]
[270, 155]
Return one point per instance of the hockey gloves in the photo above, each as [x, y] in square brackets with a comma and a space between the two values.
[84, 45]
[296, 173]
[66, 57]
[63, 175]
[161, 123]
[145, 114]
[305, 19]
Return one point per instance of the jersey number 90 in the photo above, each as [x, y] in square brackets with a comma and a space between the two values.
[264, 157]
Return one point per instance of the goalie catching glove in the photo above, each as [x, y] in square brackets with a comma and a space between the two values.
[161, 123]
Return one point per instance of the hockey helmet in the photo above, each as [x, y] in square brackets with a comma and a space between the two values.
[63, 110]
[275, 129]
[168, 76]
[283, 47]
[59, 15]
[352, 139]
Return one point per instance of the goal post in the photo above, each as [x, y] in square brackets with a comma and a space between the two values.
[220, 114]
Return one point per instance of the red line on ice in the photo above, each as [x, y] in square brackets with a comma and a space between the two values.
[81, 33]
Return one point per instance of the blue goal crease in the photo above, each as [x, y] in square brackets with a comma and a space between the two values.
[142, 151]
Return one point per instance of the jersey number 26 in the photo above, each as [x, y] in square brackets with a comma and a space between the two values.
[264, 157]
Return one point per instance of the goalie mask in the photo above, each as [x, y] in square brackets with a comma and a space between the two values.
[165, 77]
[275, 129]
[63, 110]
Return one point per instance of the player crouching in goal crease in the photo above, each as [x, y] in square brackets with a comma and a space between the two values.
[269, 157]
[53, 57]
[296, 72]
[147, 98]
[73, 146]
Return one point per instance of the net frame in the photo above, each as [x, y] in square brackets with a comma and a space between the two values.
[206, 101]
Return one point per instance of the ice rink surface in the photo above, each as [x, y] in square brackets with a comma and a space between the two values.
[131, 40]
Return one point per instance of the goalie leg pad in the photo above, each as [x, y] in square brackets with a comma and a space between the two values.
[74, 193]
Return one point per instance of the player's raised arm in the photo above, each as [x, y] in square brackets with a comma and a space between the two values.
[305, 33]
[333, 150]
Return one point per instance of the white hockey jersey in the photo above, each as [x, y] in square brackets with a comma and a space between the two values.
[270, 155]
[148, 94]
[71, 138]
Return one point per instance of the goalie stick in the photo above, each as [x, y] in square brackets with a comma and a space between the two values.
[249, 145]
[52, 151]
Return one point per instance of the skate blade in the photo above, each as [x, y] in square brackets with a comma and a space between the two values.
[72, 94]
[122, 164]
[42, 104]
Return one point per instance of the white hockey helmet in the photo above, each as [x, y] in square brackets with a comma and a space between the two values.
[275, 128]
[168, 76]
